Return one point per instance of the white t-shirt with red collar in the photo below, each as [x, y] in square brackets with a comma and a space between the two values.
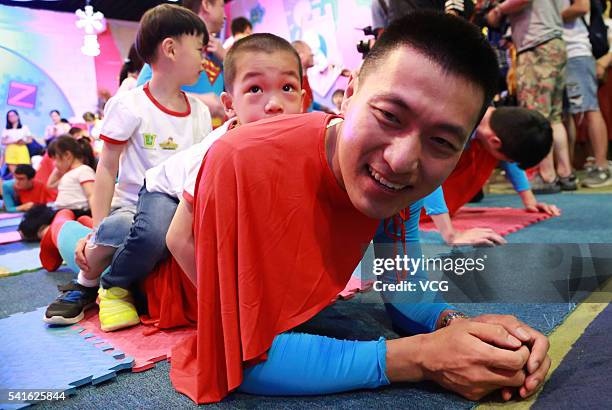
[70, 192]
[152, 133]
[179, 172]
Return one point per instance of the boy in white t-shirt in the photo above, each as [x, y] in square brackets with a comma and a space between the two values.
[142, 128]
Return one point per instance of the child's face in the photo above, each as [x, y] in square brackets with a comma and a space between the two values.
[337, 100]
[265, 85]
[63, 162]
[402, 135]
[189, 55]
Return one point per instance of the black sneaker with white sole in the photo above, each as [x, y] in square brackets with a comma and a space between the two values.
[70, 305]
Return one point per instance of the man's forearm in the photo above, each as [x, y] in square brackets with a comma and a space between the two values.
[576, 10]
[513, 6]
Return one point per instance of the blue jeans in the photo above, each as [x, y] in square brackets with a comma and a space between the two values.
[145, 244]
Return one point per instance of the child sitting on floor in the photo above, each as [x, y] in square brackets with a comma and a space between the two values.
[74, 173]
[142, 128]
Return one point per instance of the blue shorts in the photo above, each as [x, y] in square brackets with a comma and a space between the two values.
[115, 227]
[581, 84]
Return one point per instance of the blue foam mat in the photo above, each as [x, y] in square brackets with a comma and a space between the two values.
[38, 356]
[25, 259]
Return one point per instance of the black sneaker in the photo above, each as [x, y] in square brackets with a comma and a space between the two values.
[70, 305]
[568, 183]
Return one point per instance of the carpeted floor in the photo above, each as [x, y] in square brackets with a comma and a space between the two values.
[586, 219]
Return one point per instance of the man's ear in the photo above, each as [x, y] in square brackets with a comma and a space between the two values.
[168, 48]
[228, 104]
[350, 91]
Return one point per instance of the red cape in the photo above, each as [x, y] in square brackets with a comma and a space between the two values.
[469, 176]
[276, 240]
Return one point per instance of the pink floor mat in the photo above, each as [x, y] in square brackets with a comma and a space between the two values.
[146, 344]
[9, 237]
[501, 220]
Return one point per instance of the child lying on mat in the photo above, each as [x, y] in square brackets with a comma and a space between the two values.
[516, 138]
[268, 86]
[283, 208]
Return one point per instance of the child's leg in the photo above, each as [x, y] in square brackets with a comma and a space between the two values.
[80, 294]
[145, 244]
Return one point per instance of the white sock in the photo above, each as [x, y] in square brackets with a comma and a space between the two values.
[90, 283]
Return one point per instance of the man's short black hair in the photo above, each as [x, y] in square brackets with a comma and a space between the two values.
[163, 21]
[37, 217]
[526, 135]
[25, 169]
[456, 45]
[259, 43]
[240, 25]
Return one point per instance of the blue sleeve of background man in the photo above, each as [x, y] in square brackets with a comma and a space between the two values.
[410, 312]
[435, 203]
[304, 364]
[145, 75]
[9, 196]
[517, 176]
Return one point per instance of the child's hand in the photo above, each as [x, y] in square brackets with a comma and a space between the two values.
[216, 48]
[543, 207]
[79, 253]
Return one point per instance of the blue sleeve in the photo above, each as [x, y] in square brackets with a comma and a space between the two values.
[435, 203]
[9, 196]
[145, 75]
[517, 176]
[410, 312]
[303, 364]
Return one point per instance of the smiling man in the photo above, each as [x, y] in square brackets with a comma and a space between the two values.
[284, 207]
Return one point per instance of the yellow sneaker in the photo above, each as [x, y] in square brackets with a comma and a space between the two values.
[117, 309]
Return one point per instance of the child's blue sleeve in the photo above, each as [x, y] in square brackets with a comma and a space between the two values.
[435, 203]
[410, 312]
[145, 75]
[9, 196]
[517, 176]
[304, 364]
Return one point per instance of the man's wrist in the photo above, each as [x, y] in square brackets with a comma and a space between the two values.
[448, 316]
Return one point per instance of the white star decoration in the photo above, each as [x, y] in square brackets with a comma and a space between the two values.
[93, 23]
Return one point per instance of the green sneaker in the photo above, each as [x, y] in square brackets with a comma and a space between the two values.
[117, 309]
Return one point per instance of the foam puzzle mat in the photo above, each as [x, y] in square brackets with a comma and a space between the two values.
[24, 260]
[146, 344]
[38, 356]
[501, 220]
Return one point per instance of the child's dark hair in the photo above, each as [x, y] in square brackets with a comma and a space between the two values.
[80, 149]
[37, 217]
[456, 45]
[132, 64]
[75, 131]
[240, 25]
[8, 123]
[259, 43]
[25, 169]
[163, 21]
[526, 135]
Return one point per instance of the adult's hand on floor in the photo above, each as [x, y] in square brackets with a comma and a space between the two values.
[543, 207]
[477, 236]
[79, 253]
[538, 363]
[474, 358]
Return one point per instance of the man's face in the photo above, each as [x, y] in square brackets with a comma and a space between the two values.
[22, 182]
[266, 84]
[215, 16]
[405, 127]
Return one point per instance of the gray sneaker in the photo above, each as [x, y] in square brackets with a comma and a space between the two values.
[540, 187]
[597, 178]
[568, 183]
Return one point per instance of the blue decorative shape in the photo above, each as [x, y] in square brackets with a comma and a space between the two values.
[257, 14]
